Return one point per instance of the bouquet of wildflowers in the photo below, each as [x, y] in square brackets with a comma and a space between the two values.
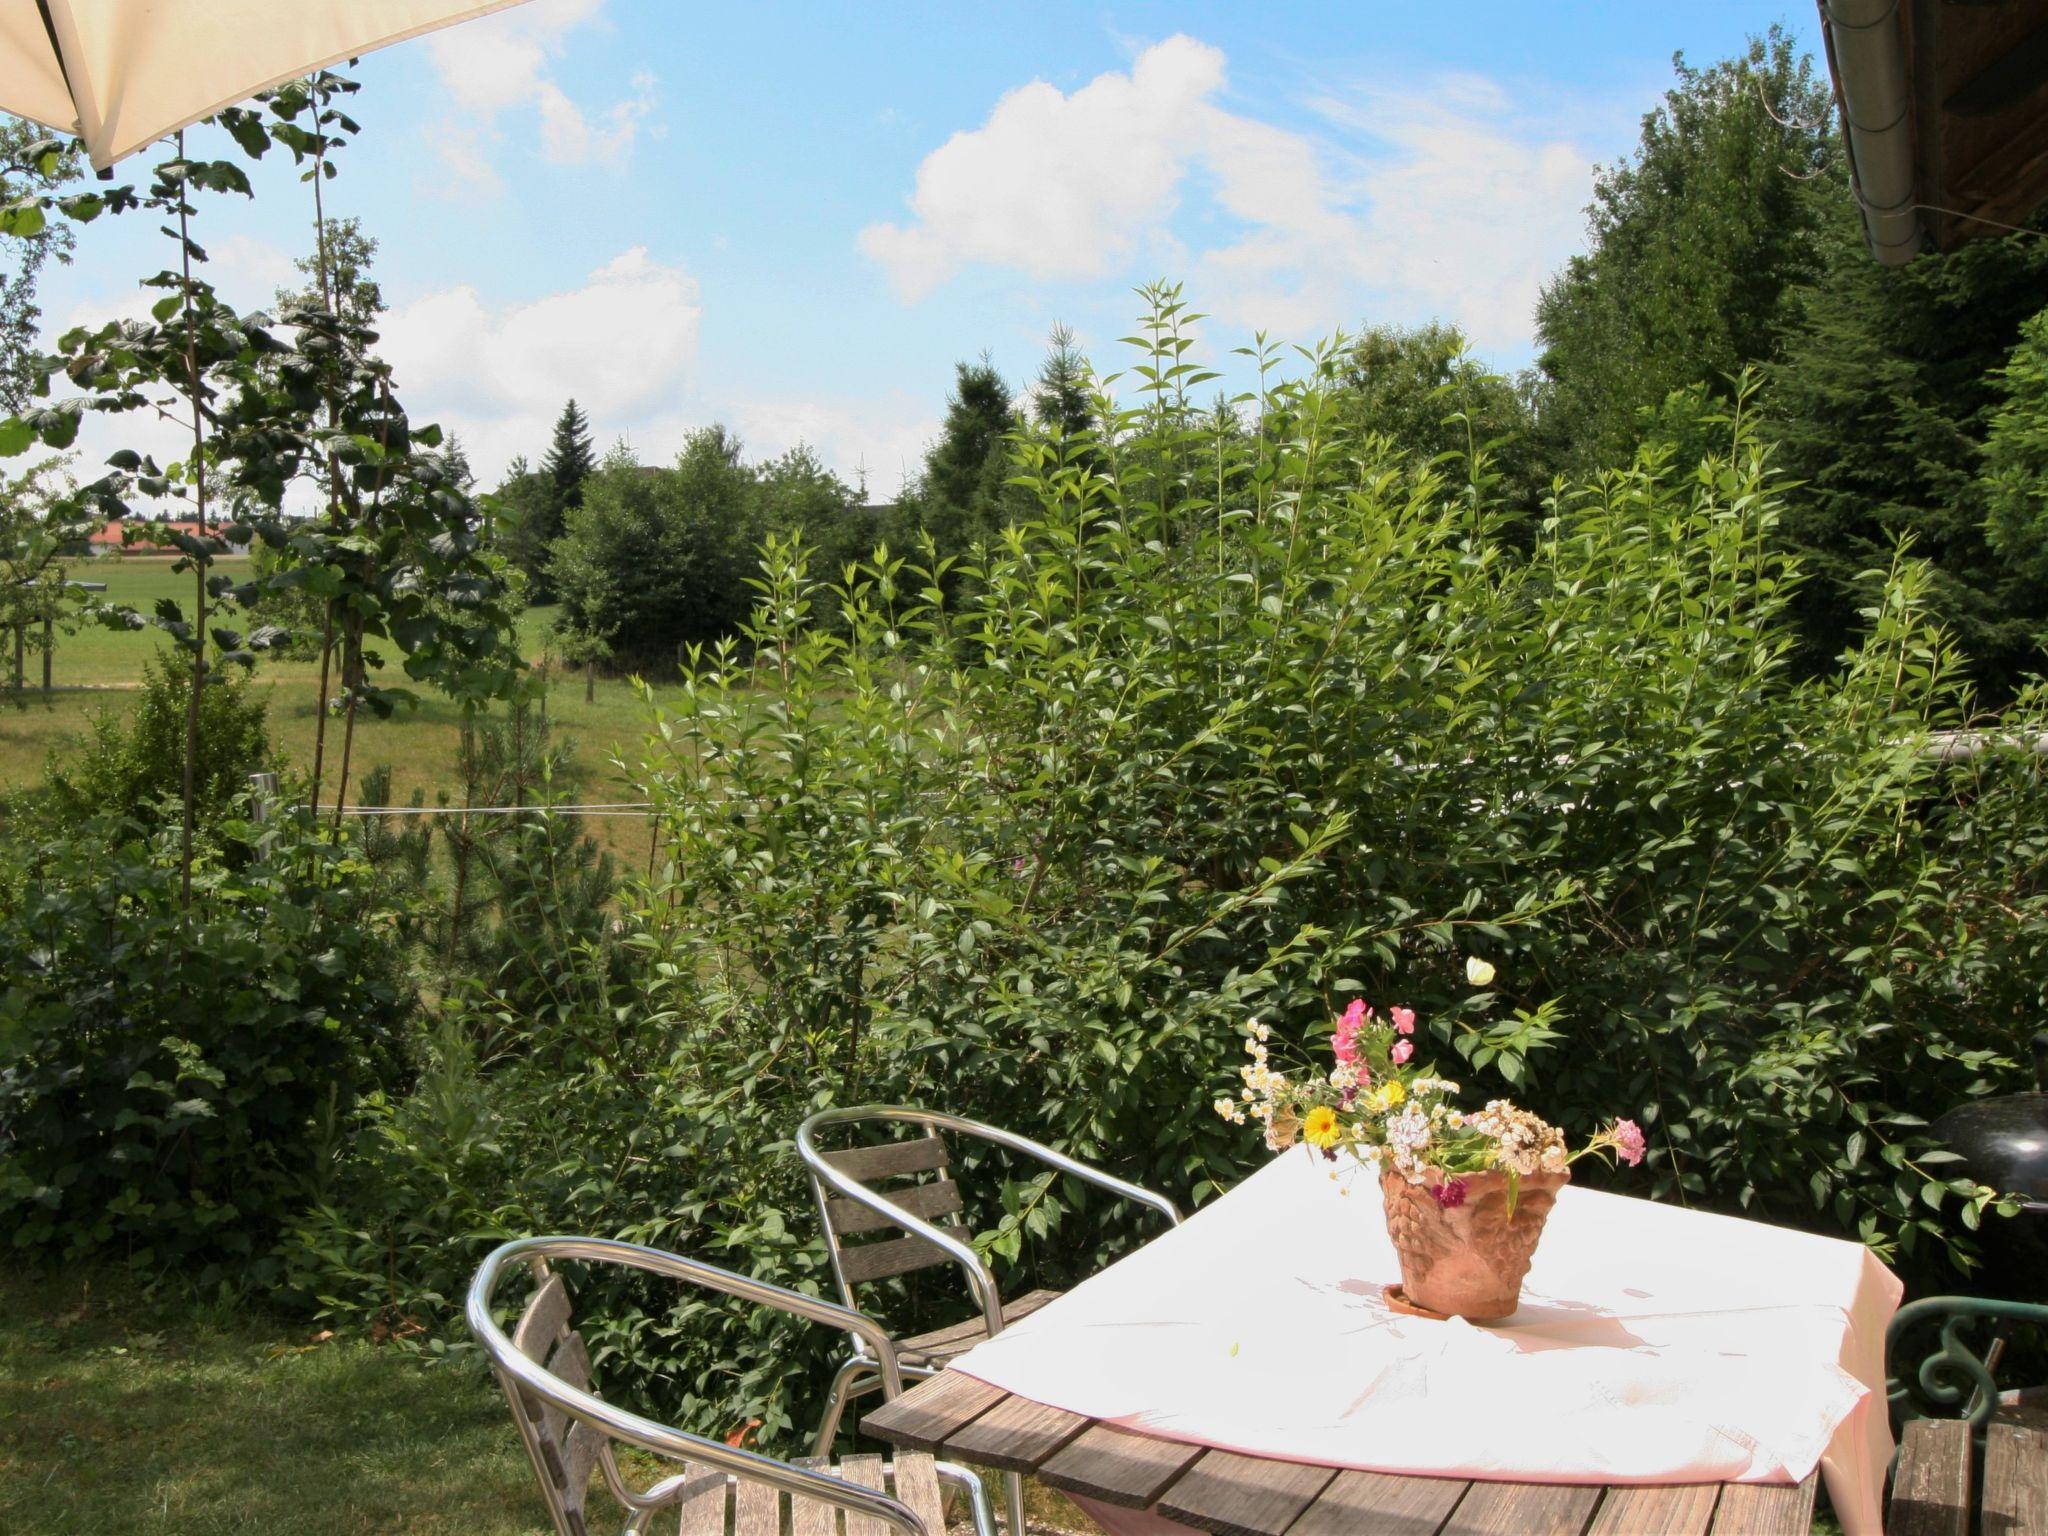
[1374, 1103]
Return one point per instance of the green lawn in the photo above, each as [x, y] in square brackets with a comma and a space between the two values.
[96, 668]
[123, 1414]
[120, 1415]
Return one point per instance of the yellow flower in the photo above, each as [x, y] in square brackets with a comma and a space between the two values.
[1320, 1128]
[1392, 1093]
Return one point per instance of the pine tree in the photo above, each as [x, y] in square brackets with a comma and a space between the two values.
[570, 460]
[1886, 392]
[1061, 398]
[961, 498]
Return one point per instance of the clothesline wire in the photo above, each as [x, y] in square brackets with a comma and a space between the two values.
[621, 808]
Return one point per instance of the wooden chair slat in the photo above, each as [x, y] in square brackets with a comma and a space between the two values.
[756, 1510]
[541, 1324]
[923, 1418]
[1931, 1486]
[916, 1480]
[807, 1517]
[701, 1502]
[571, 1363]
[1015, 1436]
[890, 1159]
[1681, 1509]
[2015, 1481]
[867, 1471]
[1373, 1504]
[1118, 1467]
[579, 1459]
[941, 1197]
[1522, 1509]
[891, 1256]
[1235, 1495]
[1766, 1509]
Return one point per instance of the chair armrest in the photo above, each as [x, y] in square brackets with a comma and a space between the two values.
[982, 1514]
[1954, 1376]
[1073, 1167]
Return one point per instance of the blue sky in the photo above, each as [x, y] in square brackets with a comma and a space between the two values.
[795, 218]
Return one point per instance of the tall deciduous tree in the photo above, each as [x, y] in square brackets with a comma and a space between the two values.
[24, 255]
[1421, 389]
[1695, 244]
[350, 253]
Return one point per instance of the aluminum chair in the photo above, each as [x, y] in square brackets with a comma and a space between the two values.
[927, 1211]
[569, 1431]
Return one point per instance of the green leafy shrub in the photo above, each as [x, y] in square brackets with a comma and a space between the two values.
[134, 761]
[1253, 718]
[165, 1073]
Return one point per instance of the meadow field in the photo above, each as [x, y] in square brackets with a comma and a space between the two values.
[97, 669]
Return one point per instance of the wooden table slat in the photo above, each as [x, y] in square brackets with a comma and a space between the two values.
[922, 1418]
[1237, 1495]
[1233, 1495]
[1015, 1435]
[2015, 1480]
[1376, 1504]
[1118, 1467]
[1672, 1509]
[1766, 1509]
[1523, 1509]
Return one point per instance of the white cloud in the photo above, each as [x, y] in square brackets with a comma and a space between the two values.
[1058, 186]
[624, 344]
[879, 440]
[1409, 204]
[502, 63]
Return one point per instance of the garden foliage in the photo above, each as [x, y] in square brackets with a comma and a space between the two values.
[165, 1069]
[1246, 723]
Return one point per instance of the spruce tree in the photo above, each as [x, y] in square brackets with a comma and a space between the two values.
[961, 498]
[1888, 386]
[570, 460]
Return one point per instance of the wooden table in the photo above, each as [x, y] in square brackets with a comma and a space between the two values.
[968, 1420]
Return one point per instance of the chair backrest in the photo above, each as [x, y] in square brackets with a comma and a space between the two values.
[565, 1451]
[913, 1175]
[569, 1431]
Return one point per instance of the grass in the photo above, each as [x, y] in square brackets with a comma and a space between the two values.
[119, 1412]
[95, 669]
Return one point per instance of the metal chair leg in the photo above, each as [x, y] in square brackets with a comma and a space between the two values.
[1013, 1495]
[855, 1378]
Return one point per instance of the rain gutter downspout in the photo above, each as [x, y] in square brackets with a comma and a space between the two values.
[1867, 54]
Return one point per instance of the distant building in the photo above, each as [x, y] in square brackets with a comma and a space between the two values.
[113, 536]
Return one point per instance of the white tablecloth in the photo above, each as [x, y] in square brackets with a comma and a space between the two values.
[1654, 1345]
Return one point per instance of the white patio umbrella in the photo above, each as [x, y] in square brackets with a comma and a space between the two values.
[123, 73]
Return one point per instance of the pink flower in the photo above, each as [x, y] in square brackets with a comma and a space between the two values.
[1450, 1194]
[1403, 1049]
[1628, 1142]
[1345, 1045]
[1404, 1020]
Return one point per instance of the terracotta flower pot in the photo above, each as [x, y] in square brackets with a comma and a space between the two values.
[1466, 1257]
